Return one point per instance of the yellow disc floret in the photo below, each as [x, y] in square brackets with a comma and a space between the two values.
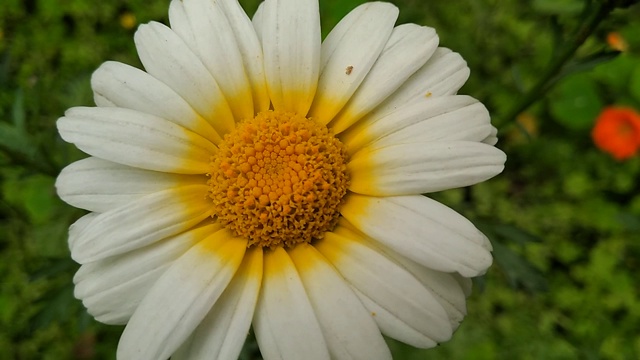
[278, 179]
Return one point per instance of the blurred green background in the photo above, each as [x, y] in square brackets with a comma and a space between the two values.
[564, 217]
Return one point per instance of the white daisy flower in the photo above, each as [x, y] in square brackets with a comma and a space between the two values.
[256, 176]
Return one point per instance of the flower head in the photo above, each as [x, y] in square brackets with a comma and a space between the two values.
[254, 175]
[617, 131]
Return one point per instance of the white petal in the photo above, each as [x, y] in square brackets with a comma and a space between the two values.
[408, 49]
[348, 328]
[99, 185]
[250, 47]
[136, 139]
[465, 283]
[291, 44]
[470, 123]
[125, 86]
[492, 138]
[111, 289]
[285, 324]
[348, 53]
[420, 168]
[203, 26]
[387, 284]
[102, 101]
[258, 21]
[222, 332]
[181, 298]
[445, 287]
[152, 218]
[80, 225]
[422, 230]
[456, 117]
[179, 19]
[444, 74]
[394, 327]
[166, 57]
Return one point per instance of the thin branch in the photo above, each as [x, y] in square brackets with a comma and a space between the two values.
[567, 50]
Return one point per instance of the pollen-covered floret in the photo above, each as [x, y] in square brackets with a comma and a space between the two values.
[278, 179]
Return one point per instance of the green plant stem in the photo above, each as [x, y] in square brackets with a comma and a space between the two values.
[567, 51]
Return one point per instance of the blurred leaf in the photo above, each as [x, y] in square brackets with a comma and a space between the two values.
[332, 11]
[575, 102]
[514, 234]
[50, 239]
[577, 185]
[558, 7]
[8, 305]
[19, 117]
[4, 68]
[250, 350]
[616, 73]
[54, 268]
[625, 3]
[77, 91]
[15, 140]
[34, 194]
[629, 221]
[518, 271]
[634, 83]
[588, 63]
[58, 305]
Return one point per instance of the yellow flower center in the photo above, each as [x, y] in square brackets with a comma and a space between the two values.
[279, 179]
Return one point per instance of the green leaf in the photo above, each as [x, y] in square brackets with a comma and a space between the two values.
[634, 83]
[14, 140]
[629, 221]
[35, 195]
[616, 73]
[516, 235]
[19, 117]
[14, 137]
[519, 271]
[588, 63]
[558, 7]
[58, 305]
[575, 102]
[8, 306]
[53, 268]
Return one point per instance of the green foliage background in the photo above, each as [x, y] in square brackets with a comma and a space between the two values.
[564, 217]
